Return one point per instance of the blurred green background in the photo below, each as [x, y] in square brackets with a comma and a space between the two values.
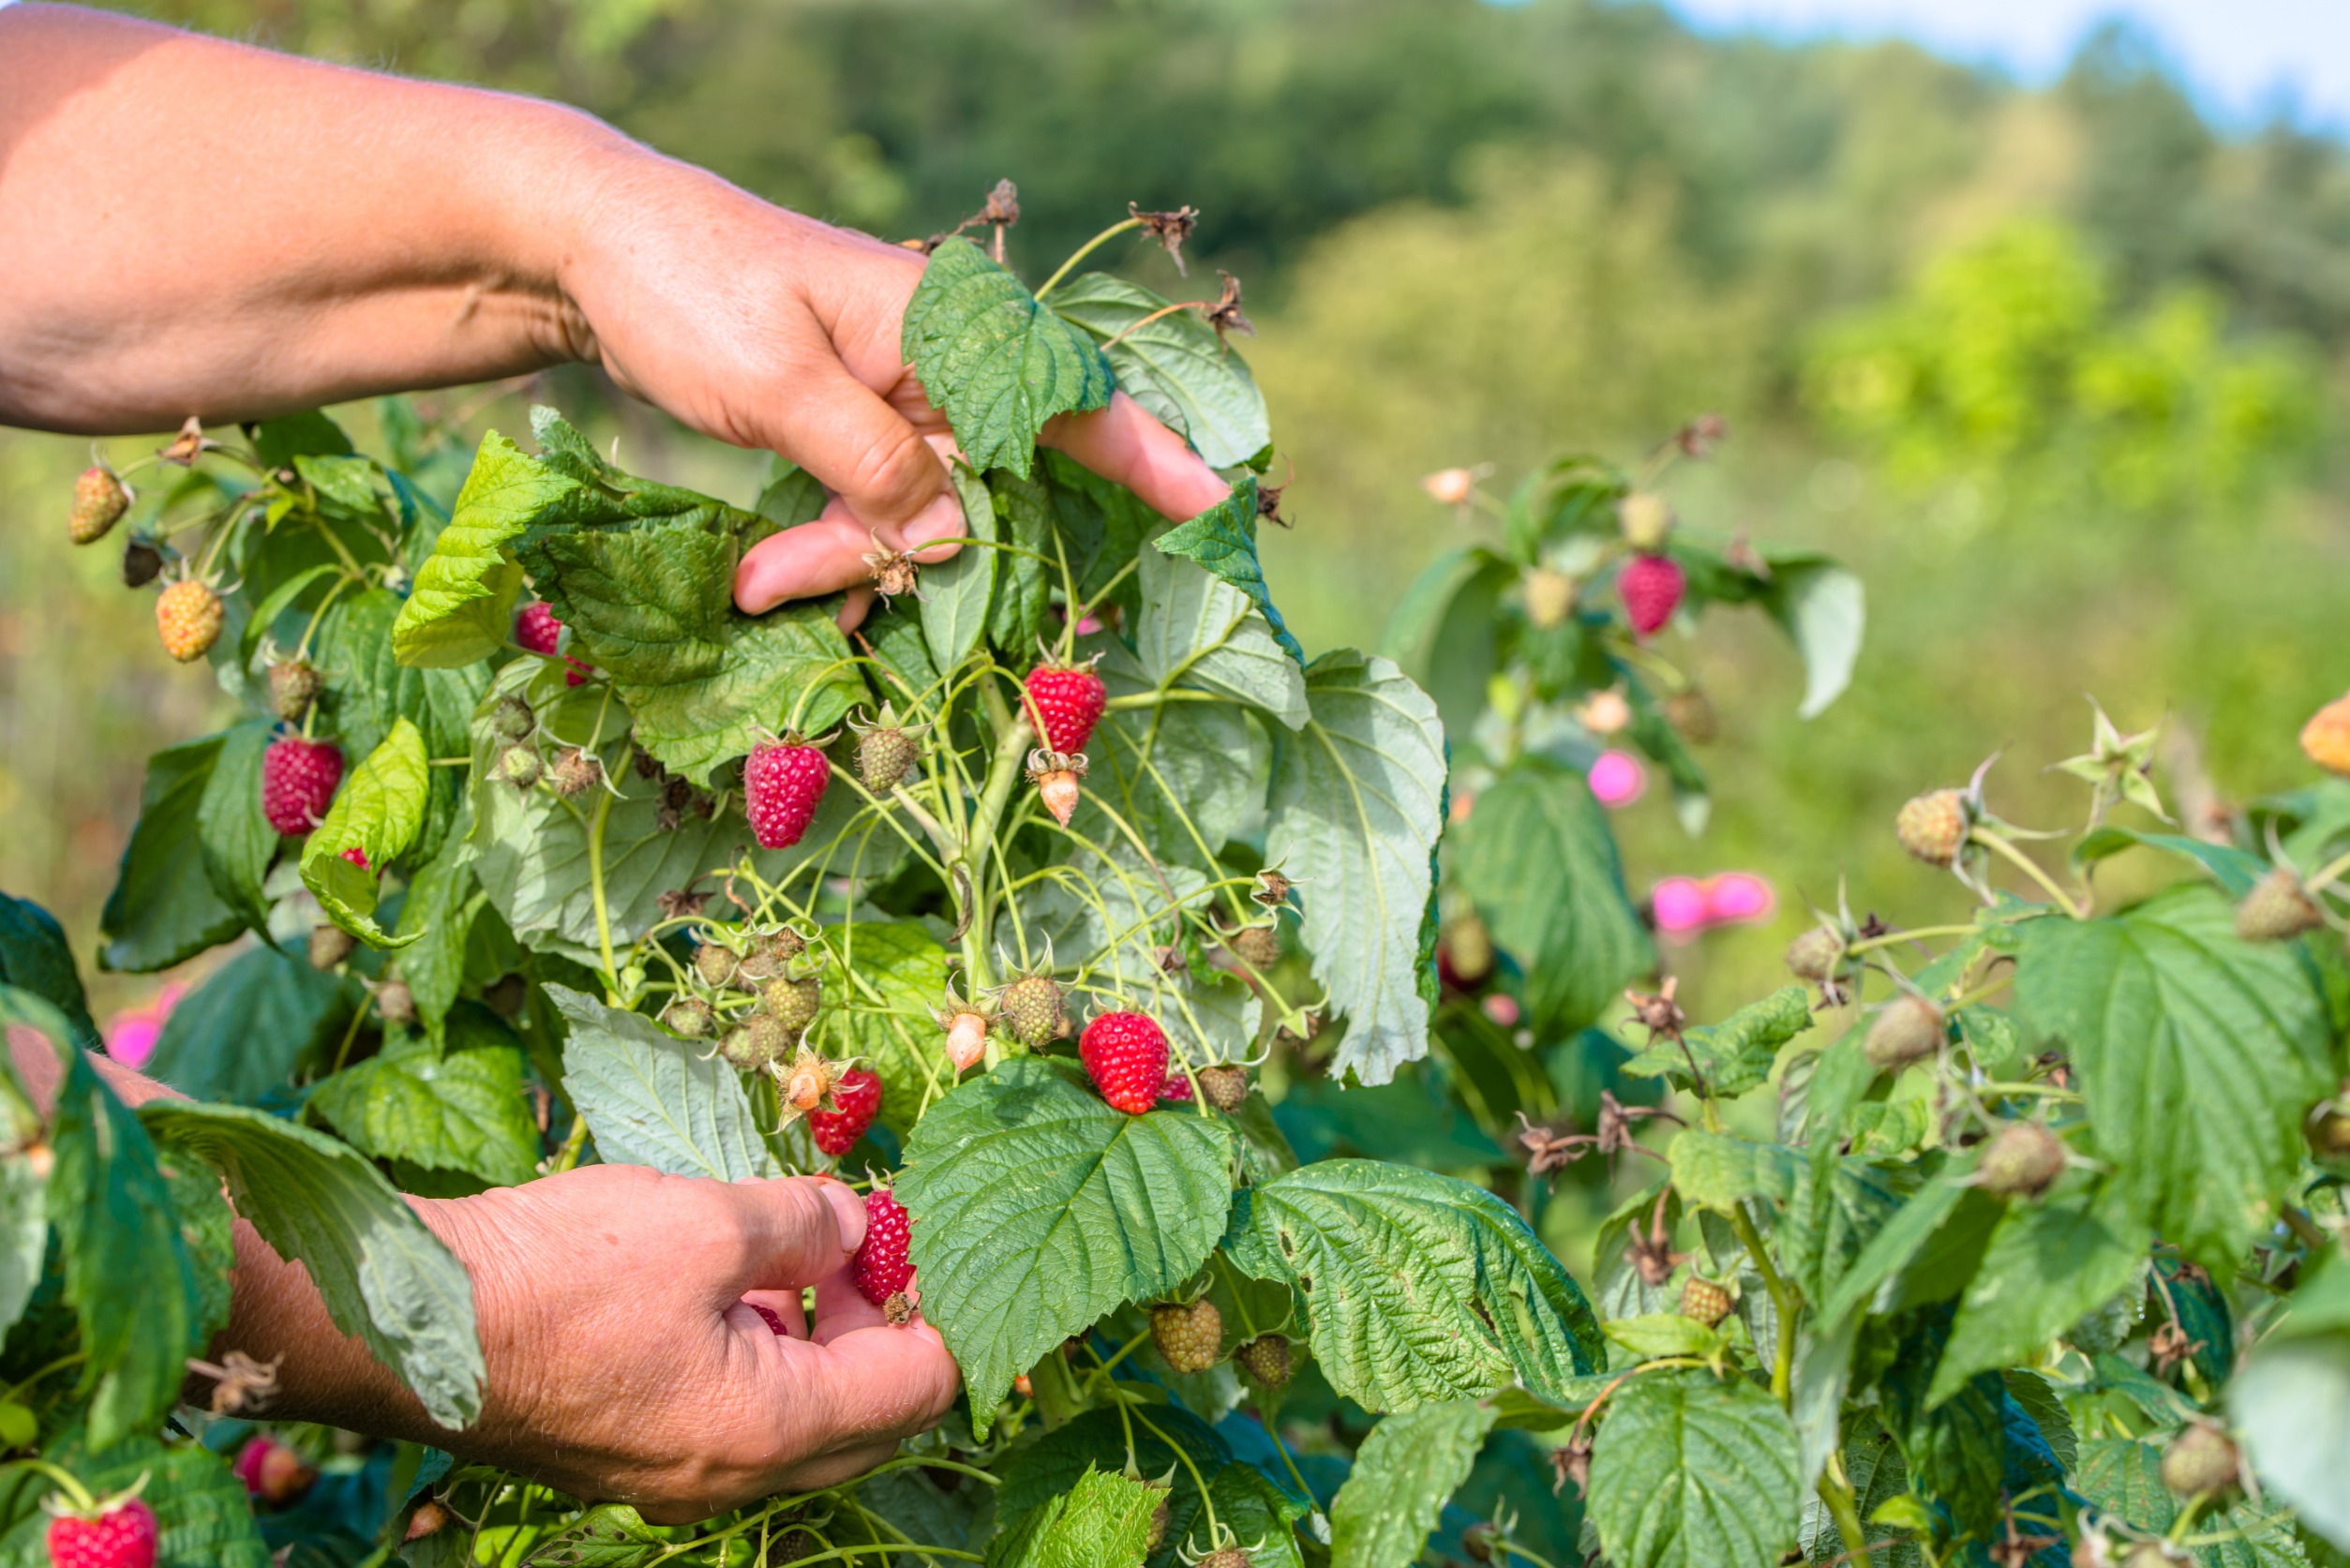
[2059, 370]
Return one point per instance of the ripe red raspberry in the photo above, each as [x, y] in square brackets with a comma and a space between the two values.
[1178, 1090]
[881, 1268]
[1650, 588]
[298, 780]
[1065, 703]
[187, 617]
[273, 1471]
[536, 629]
[856, 1101]
[767, 1315]
[122, 1537]
[782, 783]
[1125, 1056]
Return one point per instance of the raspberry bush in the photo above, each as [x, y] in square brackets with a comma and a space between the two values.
[2015, 1240]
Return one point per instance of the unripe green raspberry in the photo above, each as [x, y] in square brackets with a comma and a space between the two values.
[2022, 1160]
[792, 1003]
[513, 718]
[1703, 1301]
[2201, 1459]
[716, 963]
[1933, 826]
[1815, 955]
[293, 686]
[521, 767]
[691, 1017]
[2276, 909]
[1909, 1030]
[1264, 1359]
[1031, 1009]
[762, 1041]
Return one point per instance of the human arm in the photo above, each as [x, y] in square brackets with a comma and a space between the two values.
[625, 1360]
[391, 234]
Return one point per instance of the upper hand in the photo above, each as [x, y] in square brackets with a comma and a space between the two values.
[767, 329]
[626, 1363]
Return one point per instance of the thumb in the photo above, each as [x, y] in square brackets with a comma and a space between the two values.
[866, 452]
[790, 1232]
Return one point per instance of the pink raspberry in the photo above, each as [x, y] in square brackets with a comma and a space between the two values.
[882, 1268]
[123, 1537]
[782, 785]
[536, 629]
[1650, 588]
[298, 781]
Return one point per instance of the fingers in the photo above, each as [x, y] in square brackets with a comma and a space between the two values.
[1124, 443]
[788, 1233]
[873, 1384]
[828, 555]
[865, 452]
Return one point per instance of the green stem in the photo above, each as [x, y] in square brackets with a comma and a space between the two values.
[574, 1141]
[1085, 251]
[76, 1493]
[1782, 1301]
[602, 905]
[1207, 1501]
[1513, 1549]
[2030, 867]
[1053, 1388]
[2302, 1227]
[1838, 1494]
[1004, 771]
[1872, 943]
[2329, 874]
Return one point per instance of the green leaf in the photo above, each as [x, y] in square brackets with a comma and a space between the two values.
[1893, 1248]
[2198, 1054]
[1026, 569]
[530, 849]
[994, 361]
[240, 1034]
[1175, 367]
[1689, 1470]
[1103, 1521]
[436, 917]
[1037, 1208]
[881, 1003]
[1038, 1471]
[650, 1099]
[1442, 633]
[280, 599]
[35, 957]
[1408, 1466]
[163, 910]
[653, 607]
[383, 1277]
[1538, 860]
[957, 594]
[1836, 1209]
[237, 841]
[2123, 1477]
[1197, 630]
[1186, 775]
[1418, 1287]
[460, 608]
[23, 1237]
[203, 1518]
[1716, 1172]
[377, 812]
[465, 1111]
[1355, 807]
[1223, 538]
[126, 1270]
[1735, 1055]
[278, 441]
[368, 689]
[1822, 609]
[1249, 1505]
[2235, 869]
[2291, 1405]
[1663, 1334]
[2038, 1399]
[2048, 1264]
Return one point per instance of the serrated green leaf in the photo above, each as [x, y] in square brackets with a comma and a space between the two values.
[1223, 538]
[1717, 1172]
[460, 608]
[530, 849]
[465, 1111]
[2198, 1054]
[2048, 1263]
[233, 833]
[1442, 633]
[1175, 367]
[1103, 1521]
[383, 1276]
[1186, 775]
[1663, 1334]
[203, 1518]
[367, 690]
[1037, 1208]
[1418, 1288]
[2123, 1477]
[994, 361]
[958, 593]
[127, 1272]
[1028, 569]
[1406, 1469]
[880, 1003]
[1837, 1208]
[2038, 1399]
[240, 1034]
[163, 910]
[1197, 630]
[1735, 1055]
[35, 957]
[280, 599]
[651, 1098]
[1537, 859]
[1355, 807]
[1694, 1471]
[1036, 1472]
[437, 914]
[378, 811]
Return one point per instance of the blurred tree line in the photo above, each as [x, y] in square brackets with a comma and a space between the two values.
[2055, 368]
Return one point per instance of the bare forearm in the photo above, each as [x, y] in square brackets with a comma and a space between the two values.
[189, 226]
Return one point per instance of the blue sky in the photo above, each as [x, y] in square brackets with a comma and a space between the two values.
[2237, 54]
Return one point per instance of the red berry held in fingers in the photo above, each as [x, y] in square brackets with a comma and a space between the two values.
[298, 780]
[782, 782]
[767, 1315]
[856, 1100]
[124, 1536]
[1065, 703]
[1650, 588]
[880, 1269]
[1125, 1056]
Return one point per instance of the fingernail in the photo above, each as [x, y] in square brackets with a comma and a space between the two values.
[849, 1210]
[941, 519]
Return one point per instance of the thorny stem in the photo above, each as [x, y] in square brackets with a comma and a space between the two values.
[1085, 251]
[2030, 867]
